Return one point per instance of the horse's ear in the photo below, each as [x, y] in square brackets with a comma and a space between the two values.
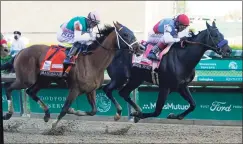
[208, 26]
[214, 24]
[115, 25]
[118, 23]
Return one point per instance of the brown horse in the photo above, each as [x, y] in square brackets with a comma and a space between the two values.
[85, 77]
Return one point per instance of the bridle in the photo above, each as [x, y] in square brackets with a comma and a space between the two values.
[118, 42]
[217, 47]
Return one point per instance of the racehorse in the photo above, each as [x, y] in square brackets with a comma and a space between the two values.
[175, 71]
[84, 77]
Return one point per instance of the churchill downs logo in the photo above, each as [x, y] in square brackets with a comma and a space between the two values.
[103, 102]
[233, 65]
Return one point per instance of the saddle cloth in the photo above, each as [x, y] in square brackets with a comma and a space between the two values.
[52, 64]
[143, 62]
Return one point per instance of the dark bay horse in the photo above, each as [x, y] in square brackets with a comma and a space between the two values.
[175, 72]
[85, 77]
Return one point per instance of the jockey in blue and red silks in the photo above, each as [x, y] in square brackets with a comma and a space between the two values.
[166, 32]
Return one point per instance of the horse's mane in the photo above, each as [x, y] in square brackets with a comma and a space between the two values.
[100, 37]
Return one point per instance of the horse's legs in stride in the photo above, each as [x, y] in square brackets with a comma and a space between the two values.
[92, 101]
[32, 92]
[9, 87]
[163, 93]
[108, 91]
[186, 94]
[133, 83]
[73, 93]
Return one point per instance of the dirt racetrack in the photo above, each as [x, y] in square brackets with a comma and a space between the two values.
[26, 130]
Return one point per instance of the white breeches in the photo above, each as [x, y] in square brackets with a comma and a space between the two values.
[69, 37]
[155, 38]
[65, 36]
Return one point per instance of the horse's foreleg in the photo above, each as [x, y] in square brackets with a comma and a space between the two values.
[9, 87]
[108, 91]
[186, 94]
[32, 92]
[92, 101]
[73, 93]
[133, 83]
[159, 105]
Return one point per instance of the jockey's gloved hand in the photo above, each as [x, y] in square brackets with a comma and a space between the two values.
[191, 33]
[183, 38]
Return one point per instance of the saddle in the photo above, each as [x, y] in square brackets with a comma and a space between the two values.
[52, 64]
[143, 62]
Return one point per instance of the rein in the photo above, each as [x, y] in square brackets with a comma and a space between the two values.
[198, 43]
[216, 47]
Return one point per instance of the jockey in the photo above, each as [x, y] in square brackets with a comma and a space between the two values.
[166, 32]
[78, 31]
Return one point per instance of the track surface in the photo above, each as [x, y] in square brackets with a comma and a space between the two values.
[26, 130]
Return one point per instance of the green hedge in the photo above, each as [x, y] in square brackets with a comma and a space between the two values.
[5, 59]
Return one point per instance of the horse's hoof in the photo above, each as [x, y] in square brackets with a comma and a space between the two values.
[134, 114]
[171, 116]
[71, 111]
[117, 117]
[46, 118]
[180, 117]
[136, 119]
[7, 116]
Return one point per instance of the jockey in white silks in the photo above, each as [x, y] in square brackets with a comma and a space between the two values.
[166, 32]
[78, 31]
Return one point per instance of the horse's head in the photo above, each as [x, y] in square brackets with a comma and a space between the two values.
[126, 39]
[4, 48]
[216, 41]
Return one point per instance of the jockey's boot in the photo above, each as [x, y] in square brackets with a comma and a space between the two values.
[157, 48]
[76, 48]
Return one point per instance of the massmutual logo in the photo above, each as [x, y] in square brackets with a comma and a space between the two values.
[103, 102]
[233, 65]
